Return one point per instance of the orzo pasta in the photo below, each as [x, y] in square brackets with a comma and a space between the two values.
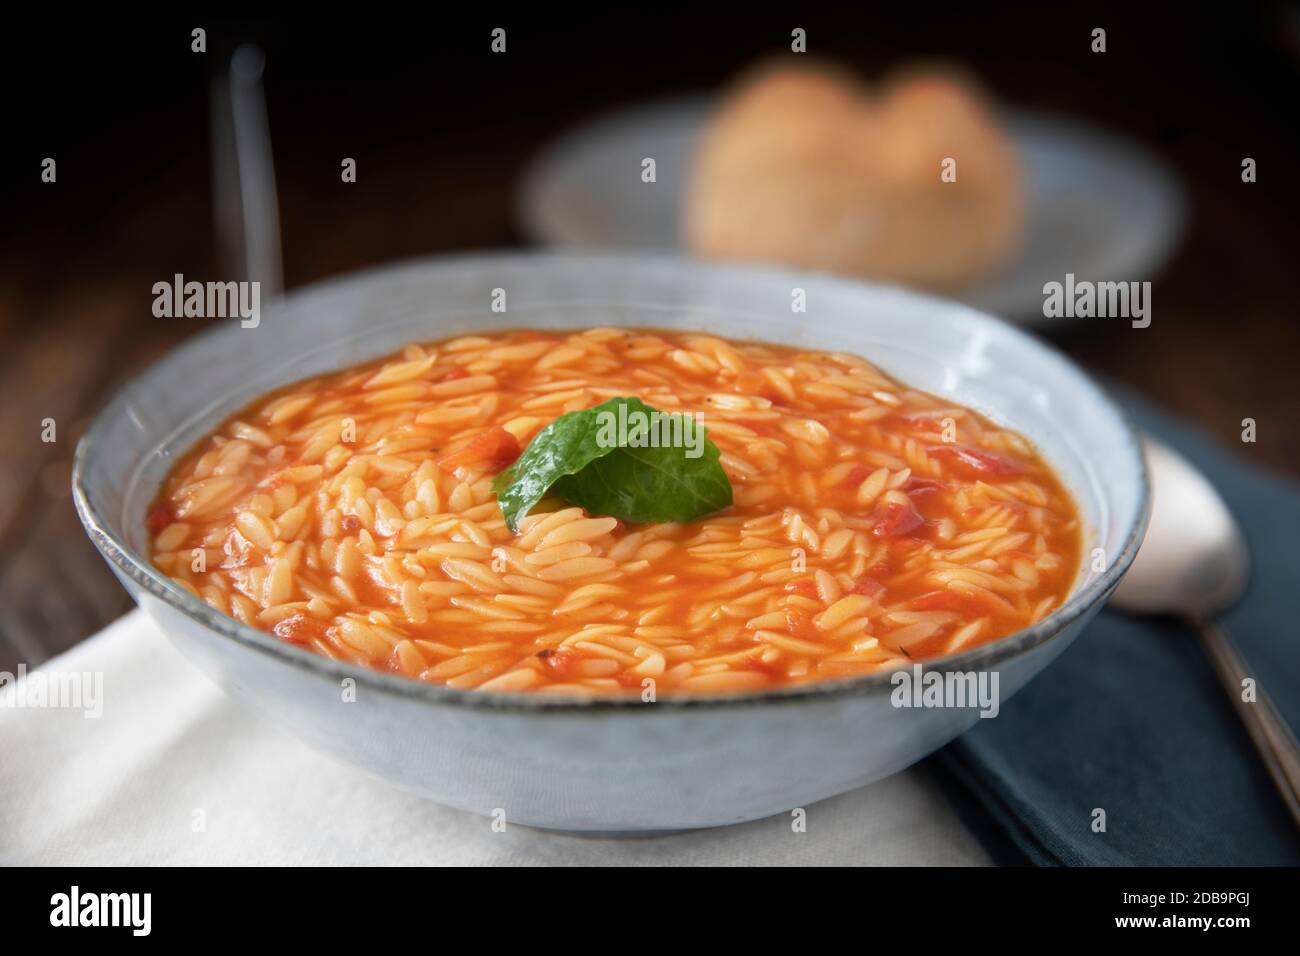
[872, 524]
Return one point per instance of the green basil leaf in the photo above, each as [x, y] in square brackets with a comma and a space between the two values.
[616, 471]
[650, 484]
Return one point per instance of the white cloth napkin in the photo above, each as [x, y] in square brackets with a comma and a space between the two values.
[174, 772]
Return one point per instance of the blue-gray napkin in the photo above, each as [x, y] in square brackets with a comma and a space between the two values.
[1132, 720]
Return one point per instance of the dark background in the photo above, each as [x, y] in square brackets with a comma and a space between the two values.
[441, 130]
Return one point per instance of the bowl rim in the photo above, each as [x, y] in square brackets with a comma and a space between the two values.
[126, 562]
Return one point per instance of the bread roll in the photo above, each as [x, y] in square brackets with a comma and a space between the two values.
[805, 166]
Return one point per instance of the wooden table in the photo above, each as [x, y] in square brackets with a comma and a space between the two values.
[441, 130]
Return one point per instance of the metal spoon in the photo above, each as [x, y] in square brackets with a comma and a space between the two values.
[1193, 563]
[245, 205]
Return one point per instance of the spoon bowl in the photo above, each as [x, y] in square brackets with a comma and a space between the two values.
[1193, 561]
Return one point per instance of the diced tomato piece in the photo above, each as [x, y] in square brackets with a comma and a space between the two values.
[457, 372]
[300, 629]
[159, 517]
[857, 475]
[800, 623]
[923, 486]
[351, 524]
[774, 670]
[868, 586]
[559, 663]
[985, 464]
[806, 588]
[897, 520]
[495, 447]
[891, 421]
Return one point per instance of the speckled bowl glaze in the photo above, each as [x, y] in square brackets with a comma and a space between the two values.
[604, 765]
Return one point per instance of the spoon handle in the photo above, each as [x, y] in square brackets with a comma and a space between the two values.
[1273, 738]
[246, 210]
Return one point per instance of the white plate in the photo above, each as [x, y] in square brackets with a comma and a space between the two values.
[1099, 207]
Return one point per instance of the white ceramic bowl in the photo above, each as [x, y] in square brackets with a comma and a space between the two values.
[604, 765]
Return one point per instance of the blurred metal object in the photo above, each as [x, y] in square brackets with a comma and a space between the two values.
[1194, 563]
[246, 207]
